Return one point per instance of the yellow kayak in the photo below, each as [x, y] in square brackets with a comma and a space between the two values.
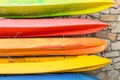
[49, 8]
[31, 65]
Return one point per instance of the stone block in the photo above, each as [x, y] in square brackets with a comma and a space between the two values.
[108, 17]
[107, 68]
[101, 75]
[116, 29]
[101, 34]
[115, 11]
[115, 45]
[117, 59]
[118, 2]
[117, 65]
[118, 19]
[111, 36]
[112, 54]
[113, 73]
[107, 11]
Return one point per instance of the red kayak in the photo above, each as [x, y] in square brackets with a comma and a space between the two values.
[48, 27]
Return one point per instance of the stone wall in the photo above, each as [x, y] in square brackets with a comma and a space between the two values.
[112, 35]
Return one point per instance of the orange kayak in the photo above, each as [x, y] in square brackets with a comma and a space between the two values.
[51, 46]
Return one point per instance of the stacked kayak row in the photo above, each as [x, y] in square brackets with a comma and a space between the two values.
[21, 55]
[34, 46]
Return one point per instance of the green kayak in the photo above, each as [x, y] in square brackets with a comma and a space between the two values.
[50, 8]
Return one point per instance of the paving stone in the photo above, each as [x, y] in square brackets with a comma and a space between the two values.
[112, 54]
[113, 73]
[115, 45]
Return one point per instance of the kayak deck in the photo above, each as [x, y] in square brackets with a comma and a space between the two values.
[49, 8]
[51, 64]
[51, 46]
[15, 28]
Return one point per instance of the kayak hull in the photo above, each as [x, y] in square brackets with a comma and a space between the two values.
[12, 28]
[48, 8]
[52, 58]
[35, 65]
[69, 76]
[51, 46]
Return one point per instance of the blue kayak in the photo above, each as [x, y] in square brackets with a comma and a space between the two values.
[68, 76]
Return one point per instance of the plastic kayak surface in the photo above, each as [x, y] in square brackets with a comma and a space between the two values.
[69, 76]
[51, 46]
[43, 59]
[51, 64]
[49, 8]
[14, 28]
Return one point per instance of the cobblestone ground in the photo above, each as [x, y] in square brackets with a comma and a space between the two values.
[112, 35]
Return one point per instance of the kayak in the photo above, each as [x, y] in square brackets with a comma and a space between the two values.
[43, 59]
[30, 65]
[50, 8]
[14, 28]
[68, 76]
[51, 46]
